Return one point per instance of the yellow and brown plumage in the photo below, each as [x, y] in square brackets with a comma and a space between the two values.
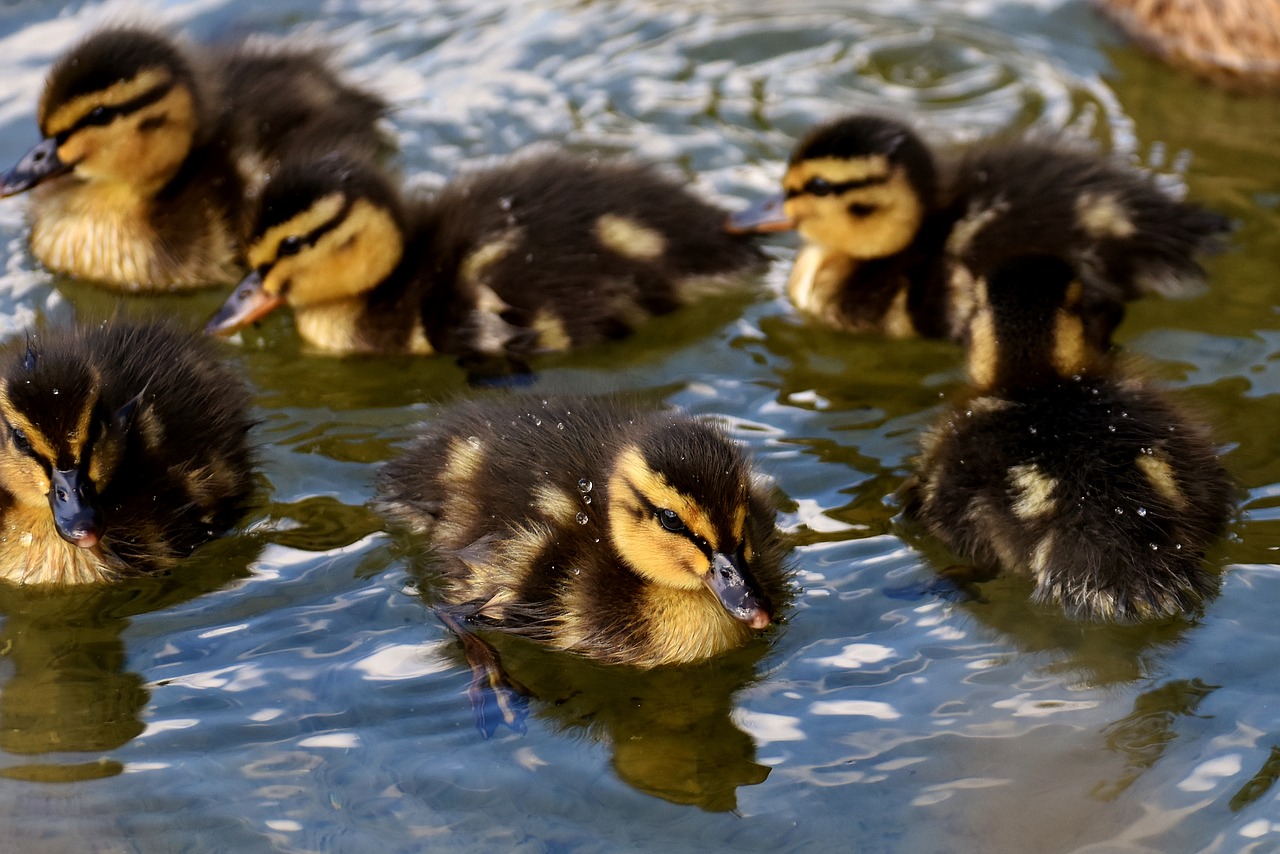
[1061, 466]
[543, 253]
[122, 448]
[625, 535]
[894, 235]
[150, 148]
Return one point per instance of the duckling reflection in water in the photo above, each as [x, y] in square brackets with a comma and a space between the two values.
[151, 147]
[1060, 466]
[122, 448]
[547, 252]
[892, 234]
[593, 526]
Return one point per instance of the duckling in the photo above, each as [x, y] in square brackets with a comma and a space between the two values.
[596, 526]
[1061, 466]
[122, 448]
[150, 149]
[893, 239]
[550, 251]
[1233, 43]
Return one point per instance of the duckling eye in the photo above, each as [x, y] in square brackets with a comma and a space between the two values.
[860, 210]
[289, 246]
[20, 441]
[670, 521]
[819, 187]
[97, 116]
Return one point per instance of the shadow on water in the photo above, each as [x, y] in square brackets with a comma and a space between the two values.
[68, 689]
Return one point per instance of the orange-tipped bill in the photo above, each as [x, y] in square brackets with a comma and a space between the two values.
[765, 215]
[247, 303]
[728, 581]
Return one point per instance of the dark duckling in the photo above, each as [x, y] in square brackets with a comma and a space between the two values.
[547, 252]
[895, 236]
[122, 448]
[1061, 466]
[151, 148]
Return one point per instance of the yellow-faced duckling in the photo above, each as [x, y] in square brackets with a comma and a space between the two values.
[150, 148]
[122, 448]
[547, 252]
[893, 237]
[1060, 466]
[597, 526]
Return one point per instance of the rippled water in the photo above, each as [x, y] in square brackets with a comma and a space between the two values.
[288, 690]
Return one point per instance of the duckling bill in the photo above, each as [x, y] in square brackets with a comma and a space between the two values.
[594, 526]
[122, 448]
[544, 253]
[894, 236]
[150, 149]
[1061, 466]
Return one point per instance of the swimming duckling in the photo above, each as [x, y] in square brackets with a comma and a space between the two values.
[150, 149]
[893, 238]
[122, 448]
[547, 252]
[596, 526]
[1060, 466]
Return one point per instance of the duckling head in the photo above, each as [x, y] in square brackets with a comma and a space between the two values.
[121, 108]
[679, 515]
[859, 186]
[329, 228]
[1027, 328]
[59, 446]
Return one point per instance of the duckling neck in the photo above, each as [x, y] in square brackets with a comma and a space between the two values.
[386, 319]
[852, 294]
[688, 625]
[134, 238]
[32, 552]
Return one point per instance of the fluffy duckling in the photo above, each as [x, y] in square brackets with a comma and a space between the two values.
[122, 448]
[1061, 467]
[893, 238]
[622, 534]
[547, 252]
[150, 148]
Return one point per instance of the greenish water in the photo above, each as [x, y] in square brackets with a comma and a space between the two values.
[288, 690]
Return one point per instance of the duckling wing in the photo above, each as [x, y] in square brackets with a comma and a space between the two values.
[1126, 235]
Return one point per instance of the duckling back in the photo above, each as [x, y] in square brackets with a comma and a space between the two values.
[1087, 480]
[125, 447]
[622, 534]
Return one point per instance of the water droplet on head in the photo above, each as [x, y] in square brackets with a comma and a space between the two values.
[583, 518]
[1033, 430]
[559, 425]
[55, 391]
[505, 203]
[473, 441]
[1119, 511]
[586, 499]
[1111, 428]
[585, 485]
[1154, 547]
[1142, 511]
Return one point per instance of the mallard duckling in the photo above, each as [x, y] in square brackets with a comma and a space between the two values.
[625, 535]
[547, 252]
[150, 149]
[893, 238]
[122, 448]
[1234, 43]
[1060, 466]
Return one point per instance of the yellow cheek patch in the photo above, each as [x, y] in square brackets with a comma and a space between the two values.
[837, 170]
[349, 260]
[324, 209]
[474, 266]
[113, 96]
[629, 238]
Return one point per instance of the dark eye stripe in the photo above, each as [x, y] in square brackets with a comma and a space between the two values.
[106, 115]
[834, 189]
[297, 242]
[653, 510]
